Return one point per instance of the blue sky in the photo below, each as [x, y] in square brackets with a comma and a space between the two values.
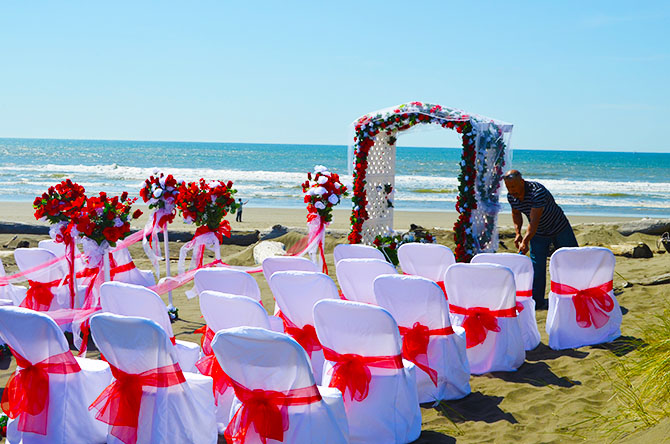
[568, 74]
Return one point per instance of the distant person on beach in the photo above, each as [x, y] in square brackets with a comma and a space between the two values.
[547, 225]
[240, 204]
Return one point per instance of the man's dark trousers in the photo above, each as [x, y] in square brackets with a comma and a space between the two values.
[539, 250]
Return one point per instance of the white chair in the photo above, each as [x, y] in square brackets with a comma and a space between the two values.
[45, 280]
[172, 406]
[273, 264]
[221, 311]
[482, 299]
[126, 271]
[522, 267]
[296, 292]
[582, 277]
[36, 338]
[426, 260]
[357, 337]
[259, 360]
[136, 300]
[356, 278]
[227, 280]
[58, 248]
[11, 294]
[422, 314]
[356, 251]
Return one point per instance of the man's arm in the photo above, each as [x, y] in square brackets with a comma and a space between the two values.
[517, 218]
[535, 214]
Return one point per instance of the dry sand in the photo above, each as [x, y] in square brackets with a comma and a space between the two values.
[553, 398]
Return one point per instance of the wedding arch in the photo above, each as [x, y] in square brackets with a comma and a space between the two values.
[372, 162]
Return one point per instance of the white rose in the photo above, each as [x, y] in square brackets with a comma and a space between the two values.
[320, 191]
[118, 222]
[333, 199]
[322, 180]
[337, 185]
[158, 193]
[320, 169]
[319, 205]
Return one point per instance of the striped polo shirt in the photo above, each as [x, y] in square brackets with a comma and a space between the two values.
[552, 221]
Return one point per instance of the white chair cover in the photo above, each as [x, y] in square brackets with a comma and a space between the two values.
[356, 251]
[226, 280]
[36, 337]
[182, 413]
[522, 267]
[222, 311]
[27, 258]
[357, 276]
[427, 260]
[273, 264]
[135, 276]
[14, 294]
[390, 413]
[257, 358]
[580, 268]
[59, 250]
[412, 299]
[296, 292]
[491, 287]
[136, 300]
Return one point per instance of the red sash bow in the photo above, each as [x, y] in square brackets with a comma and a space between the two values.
[27, 391]
[39, 295]
[209, 366]
[206, 339]
[119, 404]
[267, 411]
[353, 371]
[222, 230]
[591, 304]
[415, 342]
[305, 336]
[480, 320]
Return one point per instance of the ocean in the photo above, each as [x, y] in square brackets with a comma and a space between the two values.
[269, 175]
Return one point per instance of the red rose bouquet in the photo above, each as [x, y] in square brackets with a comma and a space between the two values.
[205, 204]
[60, 202]
[323, 190]
[104, 219]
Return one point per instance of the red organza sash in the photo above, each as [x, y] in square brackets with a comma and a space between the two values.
[524, 293]
[119, 404]
[27, 391]
[591, 304]
[39, 295]
[209, 366]
[444, 288]
[206, 339]
[305, 336]
[352, 372]
[415, 342]
[479, 321]
[266, 411]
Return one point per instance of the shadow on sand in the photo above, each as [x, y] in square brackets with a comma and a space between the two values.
[537, 374]
[475, 407]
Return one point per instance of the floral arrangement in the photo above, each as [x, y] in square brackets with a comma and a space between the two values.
[104, 219]
[58, 206]
[389, 244]
[323, 190]
[404, 117]
[206, 204]
[160, 192]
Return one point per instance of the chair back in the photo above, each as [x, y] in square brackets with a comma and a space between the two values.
[227, 280]
[481, 285]
[296, 293]
[27, 258]
[356, 251]
[582, 267]
[273, 264]
[34, 335]
[356, 328]
[356, 277]
[132, 344]
[224, 310]
[427, 260]
[412, 299]
[520, 264]
[258, 358]
[135, 300]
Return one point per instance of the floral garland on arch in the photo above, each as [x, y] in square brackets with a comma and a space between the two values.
[58, 206]
[323, 190]
[160, 193]
[205, 204]
[403, 118]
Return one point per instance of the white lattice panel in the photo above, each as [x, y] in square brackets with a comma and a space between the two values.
[379, 174]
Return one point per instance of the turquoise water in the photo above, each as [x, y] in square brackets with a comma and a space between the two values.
[269, 175]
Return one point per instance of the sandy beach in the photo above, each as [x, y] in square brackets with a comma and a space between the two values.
[555, 397]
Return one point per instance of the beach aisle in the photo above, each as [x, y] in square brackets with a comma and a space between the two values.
[554, 397]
